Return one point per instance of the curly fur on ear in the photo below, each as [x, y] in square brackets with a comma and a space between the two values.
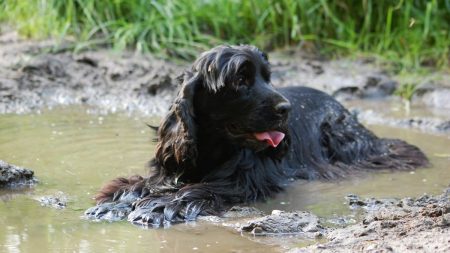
[176, 149]
[222, 62]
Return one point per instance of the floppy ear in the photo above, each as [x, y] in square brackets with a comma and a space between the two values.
[177, 134]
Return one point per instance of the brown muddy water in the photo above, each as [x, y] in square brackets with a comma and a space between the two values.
[75, 152]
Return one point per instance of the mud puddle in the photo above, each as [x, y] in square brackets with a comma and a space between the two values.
[74, 152]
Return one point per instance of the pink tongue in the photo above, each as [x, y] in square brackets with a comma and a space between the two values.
[273, 138]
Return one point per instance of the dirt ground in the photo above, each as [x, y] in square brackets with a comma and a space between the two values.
[32, 78]
[35, 75]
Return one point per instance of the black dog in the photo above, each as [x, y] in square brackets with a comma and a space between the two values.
[231, 137]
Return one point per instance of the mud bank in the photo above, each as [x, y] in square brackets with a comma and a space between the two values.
[33, 78]
[424, 123]
[393, 225]
[385, 225]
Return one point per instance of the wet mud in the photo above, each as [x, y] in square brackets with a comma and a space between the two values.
[12, 176]
[419, 224]
[285, 223]
[57, 201]
[31, 79]
[393, 225]
[424, 123]
[35, 75]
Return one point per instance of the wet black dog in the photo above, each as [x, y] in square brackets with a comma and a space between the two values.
[231, 137]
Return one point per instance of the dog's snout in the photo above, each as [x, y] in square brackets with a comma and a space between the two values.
[283, 107]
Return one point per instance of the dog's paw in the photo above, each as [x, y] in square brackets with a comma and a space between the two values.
[166, 210]
[158, 211]
[147, 218]
[110, 211]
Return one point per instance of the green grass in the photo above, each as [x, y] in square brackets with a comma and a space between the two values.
[411, 33]
[406, 92]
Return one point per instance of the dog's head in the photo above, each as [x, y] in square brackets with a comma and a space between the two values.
[229, 93]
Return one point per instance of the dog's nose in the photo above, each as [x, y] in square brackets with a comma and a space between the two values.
[283, 107]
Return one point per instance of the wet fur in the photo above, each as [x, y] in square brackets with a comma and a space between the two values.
[202, 167]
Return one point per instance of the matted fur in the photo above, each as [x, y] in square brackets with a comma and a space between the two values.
[208, 158]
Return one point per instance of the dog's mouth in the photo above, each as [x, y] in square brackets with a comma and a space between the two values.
[273, 138]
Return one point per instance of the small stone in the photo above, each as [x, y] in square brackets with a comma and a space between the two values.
[280, 222]
[57, 201]
[15, 176]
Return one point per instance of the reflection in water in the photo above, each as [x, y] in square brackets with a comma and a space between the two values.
[73, 152]
[12, 240]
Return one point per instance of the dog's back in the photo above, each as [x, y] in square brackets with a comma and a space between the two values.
[329, 142]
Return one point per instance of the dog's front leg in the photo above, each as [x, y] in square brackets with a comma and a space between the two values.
[114, 210]
[184, 205]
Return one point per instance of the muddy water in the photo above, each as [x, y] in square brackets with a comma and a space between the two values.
[327, 198]
[74, 152]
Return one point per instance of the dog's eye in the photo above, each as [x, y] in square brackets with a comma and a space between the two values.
[242, 81]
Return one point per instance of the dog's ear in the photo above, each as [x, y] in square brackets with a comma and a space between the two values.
[177, 134]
